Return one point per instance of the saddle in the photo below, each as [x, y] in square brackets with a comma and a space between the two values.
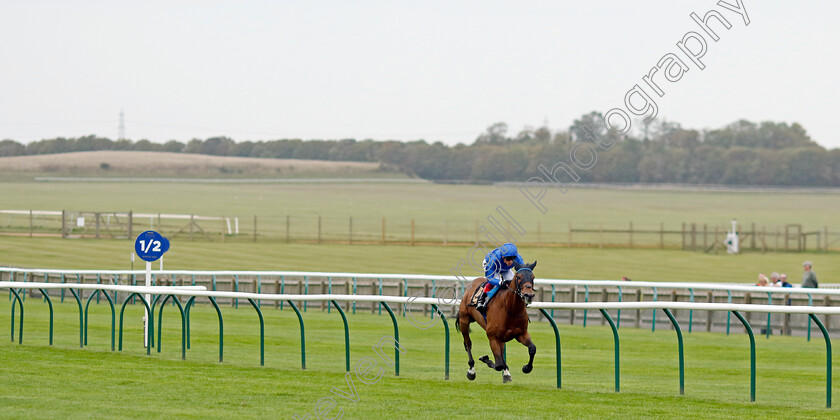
[478, 291]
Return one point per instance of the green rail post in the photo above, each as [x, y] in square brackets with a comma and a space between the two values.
[329, 291]
[151, 325]
[62, 290]
[305, 290]
[81, 318]
[221, 328]
[354, 292]
[302, 336]
[187, 309]
[810, 303]
[827, 359]
[49, 301]
[748, 329]
[690, 311]
[616, 344]
[98, 282]
[405, 294]
[282, 289]
[680, 341]
[115, 280]
[380, 294]
[769, 302]
[585, 299]
[728, 300]
[262, 331]
[556, 342]
[20, 302]
[346, 335]
[259, 289]
[653, 315]
[618, 314]
[552, 300]
[113, 316]
[446, 342]
[396, 338]
[183, 325]
[236, 289]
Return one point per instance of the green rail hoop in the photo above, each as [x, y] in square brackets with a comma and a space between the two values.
[151, 324]
[262, 331]
[446, 342]
[81, 318]
[615, 343]
[556, 342]
[302, 335]
[748, 329]
[827, 359]
[49, 301]
[680, 341]
[183, 325]
[113, 320]
[20, 302]
[396, 338]
[346, 334]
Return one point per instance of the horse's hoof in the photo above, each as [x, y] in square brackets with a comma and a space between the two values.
[506, 379]
[471, 376]
[527, 368]
[484, 359]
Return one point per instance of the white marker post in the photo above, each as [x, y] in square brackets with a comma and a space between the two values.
[149, 301]
[150, 246]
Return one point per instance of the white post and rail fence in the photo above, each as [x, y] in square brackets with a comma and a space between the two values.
[189, 294]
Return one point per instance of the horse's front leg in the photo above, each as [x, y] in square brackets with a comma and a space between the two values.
[498, 348]
[525, 339]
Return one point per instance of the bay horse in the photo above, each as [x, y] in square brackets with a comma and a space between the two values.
[507, 319]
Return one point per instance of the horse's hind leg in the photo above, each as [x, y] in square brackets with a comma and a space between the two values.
[525, 339]
[464, 326]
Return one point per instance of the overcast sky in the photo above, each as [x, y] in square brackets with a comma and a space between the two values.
[436, 70]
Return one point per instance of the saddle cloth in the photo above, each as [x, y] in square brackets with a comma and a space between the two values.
[478, 291]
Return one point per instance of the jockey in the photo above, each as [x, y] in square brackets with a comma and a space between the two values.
[498, 266]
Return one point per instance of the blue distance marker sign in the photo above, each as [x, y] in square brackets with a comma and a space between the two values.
[150, 246]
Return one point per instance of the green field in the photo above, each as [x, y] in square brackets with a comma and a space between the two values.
[430, 202]
[65, 381]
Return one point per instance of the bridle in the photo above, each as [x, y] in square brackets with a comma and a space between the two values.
[520, 284]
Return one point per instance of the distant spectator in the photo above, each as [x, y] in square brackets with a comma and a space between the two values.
[783, 280]
[762, 280]
[809, 278]
[775, 279]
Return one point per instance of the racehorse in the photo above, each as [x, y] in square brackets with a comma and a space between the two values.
[506, 320]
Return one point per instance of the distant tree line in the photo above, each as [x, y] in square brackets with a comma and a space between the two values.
[742, 153]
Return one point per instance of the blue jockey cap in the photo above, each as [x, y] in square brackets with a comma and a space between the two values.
[508, 250]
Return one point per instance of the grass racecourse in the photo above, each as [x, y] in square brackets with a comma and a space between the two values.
[40, 381]
[65, 381]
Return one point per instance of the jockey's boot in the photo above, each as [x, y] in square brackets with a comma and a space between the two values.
[481, 305]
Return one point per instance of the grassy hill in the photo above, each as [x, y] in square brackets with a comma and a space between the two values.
[163, 164]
